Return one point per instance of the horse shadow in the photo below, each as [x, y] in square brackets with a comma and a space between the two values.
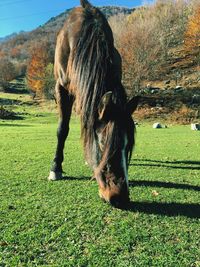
[71, 178]
[166, 209]
[188, 164]
[190, 210]
[164, 185]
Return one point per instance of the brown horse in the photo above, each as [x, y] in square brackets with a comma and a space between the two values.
[88, 70]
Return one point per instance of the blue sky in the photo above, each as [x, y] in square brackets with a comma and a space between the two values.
[26, 15]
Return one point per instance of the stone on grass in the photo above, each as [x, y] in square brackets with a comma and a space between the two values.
[157, 125]
[195, 126]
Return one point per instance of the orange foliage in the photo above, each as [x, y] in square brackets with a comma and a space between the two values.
[36, 68]
[192, 35]
[2, 54]
[15, 52]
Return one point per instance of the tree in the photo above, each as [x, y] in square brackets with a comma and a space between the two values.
[138, 46]
[15, 52]
[37, 67]
[49, 82]
[192, 34]
[145, 37]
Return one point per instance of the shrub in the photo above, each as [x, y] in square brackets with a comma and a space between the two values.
[7, 73]
[6, 114]
[49, 82]
[183, 115]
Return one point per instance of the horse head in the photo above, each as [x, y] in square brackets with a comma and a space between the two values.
[114, 133]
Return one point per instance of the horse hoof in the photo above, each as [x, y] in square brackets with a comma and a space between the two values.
[54, 176]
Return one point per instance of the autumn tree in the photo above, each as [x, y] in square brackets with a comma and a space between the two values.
[16, 52]
[1, 53]
[139, 47]
[192, 34]
[36, 69]
[145, 38]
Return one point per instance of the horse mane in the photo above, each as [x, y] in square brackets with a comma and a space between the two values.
[93, 71]
[91, 63]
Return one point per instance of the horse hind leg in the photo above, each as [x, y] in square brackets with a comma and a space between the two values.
[65, 103]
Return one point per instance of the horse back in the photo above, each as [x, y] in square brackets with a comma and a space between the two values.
[66, 39]
[69, 36]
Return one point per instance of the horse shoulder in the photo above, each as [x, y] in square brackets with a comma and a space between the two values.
[64, 45]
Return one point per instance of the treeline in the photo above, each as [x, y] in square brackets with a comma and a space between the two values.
[144, 38]
[147, 38]
[18, 53]
[40, 74]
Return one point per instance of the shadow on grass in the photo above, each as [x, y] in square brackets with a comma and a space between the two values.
[69, 178]
[11, 102]
[164, 184]
[13, 118]
[190, 162]
[166, 209]
[8, 101]
[167, 164]
[17, 90]
[18, 87]
[14, 125]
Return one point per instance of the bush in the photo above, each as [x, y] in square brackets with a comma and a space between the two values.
[49, 82]
[6, 114]
[184, 115]
[7, 73]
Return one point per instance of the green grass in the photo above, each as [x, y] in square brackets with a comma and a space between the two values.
[64, 223]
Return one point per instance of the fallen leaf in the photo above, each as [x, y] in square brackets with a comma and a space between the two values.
[155, 193]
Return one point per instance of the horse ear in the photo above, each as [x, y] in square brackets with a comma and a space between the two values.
[105, 103]
[132, 104]
[85, 3]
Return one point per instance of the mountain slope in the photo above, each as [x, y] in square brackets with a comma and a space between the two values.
[18, 48]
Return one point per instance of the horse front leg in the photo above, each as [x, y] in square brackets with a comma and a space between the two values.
[65, 103]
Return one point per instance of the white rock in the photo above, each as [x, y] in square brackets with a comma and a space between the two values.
[195, 126]
[157, 125]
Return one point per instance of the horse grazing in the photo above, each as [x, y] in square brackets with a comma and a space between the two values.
[88, 71]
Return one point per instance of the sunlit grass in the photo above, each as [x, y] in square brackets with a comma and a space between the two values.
[65, 223]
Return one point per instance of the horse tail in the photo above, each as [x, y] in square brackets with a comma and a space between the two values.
[85, 4]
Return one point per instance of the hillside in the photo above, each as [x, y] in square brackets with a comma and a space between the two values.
[55, 23]
[153, 42]
[19, 46]
[8, 37]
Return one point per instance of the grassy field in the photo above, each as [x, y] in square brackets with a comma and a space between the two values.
[64, 223]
